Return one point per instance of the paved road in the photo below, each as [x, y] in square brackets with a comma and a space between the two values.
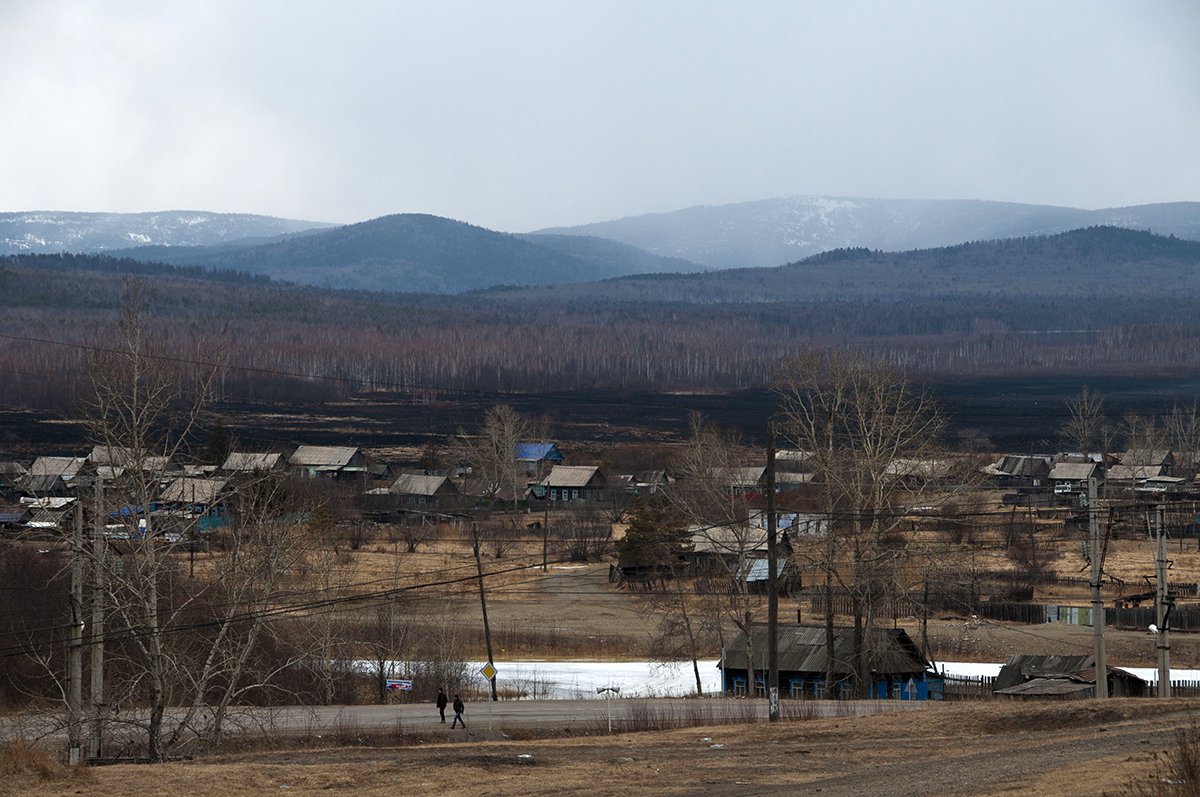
[531, 714]
[485, 720]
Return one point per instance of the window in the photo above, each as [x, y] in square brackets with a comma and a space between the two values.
[574, 495]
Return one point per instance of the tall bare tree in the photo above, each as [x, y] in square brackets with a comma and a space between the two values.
[870, 435]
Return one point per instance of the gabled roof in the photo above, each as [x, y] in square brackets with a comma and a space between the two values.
[1019, 465]
[122, 457]
[1146, 456]
[728, 539]
[246, 461]
[1131, 473]
[889, 651]
[1073, 471]
[191, 490]
[12, 469]
[64, 467]
[537, 452]
[572, 476]
[420, 484]
[323, 456]
[928, 468]
[739, 477]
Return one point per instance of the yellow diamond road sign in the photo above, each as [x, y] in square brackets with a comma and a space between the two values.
[488, 671]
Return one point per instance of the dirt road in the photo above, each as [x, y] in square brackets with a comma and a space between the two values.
[993, 748]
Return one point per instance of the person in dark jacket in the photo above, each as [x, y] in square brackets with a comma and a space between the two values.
[458, 712]
[441, 703]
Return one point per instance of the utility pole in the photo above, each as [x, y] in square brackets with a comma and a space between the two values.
[487, 629]
[1097, 602]
[75, 642]
[772, 587]
[1162, 605]
[545, 535]
[96, 635]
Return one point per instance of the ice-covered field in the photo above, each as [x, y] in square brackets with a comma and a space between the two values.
[581, 679]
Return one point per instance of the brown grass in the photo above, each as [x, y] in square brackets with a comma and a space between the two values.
[23, 765]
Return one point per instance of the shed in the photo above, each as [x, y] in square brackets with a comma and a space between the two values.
[1062, 678]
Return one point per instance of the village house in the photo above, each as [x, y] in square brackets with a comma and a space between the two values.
[53, 475]
[1138, 464]
[1019, 470]
[537, 457]
[1071, 478]
[898, 668]
[578, 483]
[419, 491]
[191, 502]
[240, 462]
[329, 462]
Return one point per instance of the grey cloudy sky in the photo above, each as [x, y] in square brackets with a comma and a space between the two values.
[517, 115]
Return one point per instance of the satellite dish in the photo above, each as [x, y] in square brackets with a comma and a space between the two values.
[1153, 628]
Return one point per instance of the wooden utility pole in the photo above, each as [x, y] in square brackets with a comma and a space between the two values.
[75, 642]
[772, 587]
[487, 629]
[96, 634]
[545, 535]
[1162, 605]
[1094, 554]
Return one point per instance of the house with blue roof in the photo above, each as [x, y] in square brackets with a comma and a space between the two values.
[536, 457]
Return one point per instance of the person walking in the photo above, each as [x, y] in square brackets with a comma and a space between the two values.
[458, 712]
[441, 703]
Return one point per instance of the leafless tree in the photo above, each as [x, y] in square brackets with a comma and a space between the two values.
[868, 429]
[492, 452]
[713, 495]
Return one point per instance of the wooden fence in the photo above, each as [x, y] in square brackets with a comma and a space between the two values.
[978, 687]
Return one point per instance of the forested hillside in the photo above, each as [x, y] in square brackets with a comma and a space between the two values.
[1098, 261]
[773, 231]
[294, 342]
[415, 253]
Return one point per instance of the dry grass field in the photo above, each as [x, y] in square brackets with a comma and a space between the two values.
[994, 748]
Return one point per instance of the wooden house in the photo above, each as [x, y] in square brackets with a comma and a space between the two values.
[242, 462]
[419, 491]
[898, 668]
[329, 462]
[537, 457]
[53, 475]
[573, 483]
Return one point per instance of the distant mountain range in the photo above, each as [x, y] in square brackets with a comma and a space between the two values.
[1094, 263]
[775, 231]
[416, 253]
[57, 231]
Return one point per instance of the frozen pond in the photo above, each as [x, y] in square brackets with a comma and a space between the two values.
[581, 679]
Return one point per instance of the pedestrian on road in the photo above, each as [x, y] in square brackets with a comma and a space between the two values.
[441, 703]
[458, 712]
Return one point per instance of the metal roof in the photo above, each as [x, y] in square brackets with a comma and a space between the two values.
[190, 490]
[66, 467]
[728, 539]
[1129, 473]
[889, 651]
[536, 452]
[1073, 471]
[243, 461]
[419, 484]
[323, 456]
[571, 476]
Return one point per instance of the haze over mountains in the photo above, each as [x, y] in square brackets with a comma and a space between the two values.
[429, 254]
[774, 231]
[61, 231]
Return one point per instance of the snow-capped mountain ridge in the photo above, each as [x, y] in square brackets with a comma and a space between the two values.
[54, 231]
[773, 231]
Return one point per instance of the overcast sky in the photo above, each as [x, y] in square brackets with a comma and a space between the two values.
[518, 115]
